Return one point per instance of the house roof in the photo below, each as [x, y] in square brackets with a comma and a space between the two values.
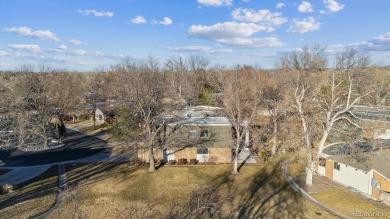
[201, 115]
[377, 160]
[198, 111]
[209, 121]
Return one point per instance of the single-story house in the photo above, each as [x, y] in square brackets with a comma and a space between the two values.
[367, 172]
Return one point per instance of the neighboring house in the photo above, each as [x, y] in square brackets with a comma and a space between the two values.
[367, 172]
[199, 133]
[104, 115]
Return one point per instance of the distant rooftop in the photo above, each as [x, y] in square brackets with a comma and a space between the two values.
[378, 160]
[199, 111]
[201, 115]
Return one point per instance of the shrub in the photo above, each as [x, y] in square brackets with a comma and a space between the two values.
[182, 161]
[171, 162]
[193, 161]
[6, 188]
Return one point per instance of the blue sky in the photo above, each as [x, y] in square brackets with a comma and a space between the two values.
[94, 34]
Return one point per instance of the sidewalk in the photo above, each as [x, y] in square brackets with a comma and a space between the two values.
[23, 174]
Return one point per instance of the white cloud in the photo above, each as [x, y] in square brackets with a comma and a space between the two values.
[322, 12]
[202, 49]
[64, 50]
[79, 52]
[63, 47]
[75, 42]
[138, 20]
[100, 55]
[260, 16]
[305, 25]
[379, 43]
[305, 7]
[189, 49]
[280, 5]
[215, 3]
[246, 0]
[3, 53]
[226, 30]
[96, 13]
[333, 5]
[166, 21]
[252, 42]
[234, 34]
[31, 48]
[38, 34]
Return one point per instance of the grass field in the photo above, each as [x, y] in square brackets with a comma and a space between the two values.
[122, 191]
[346, 202]
[108, 190]
[31, 198]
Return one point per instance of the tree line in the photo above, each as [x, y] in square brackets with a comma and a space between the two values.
[306, 102]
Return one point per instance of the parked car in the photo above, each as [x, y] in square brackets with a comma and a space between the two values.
[66, 118]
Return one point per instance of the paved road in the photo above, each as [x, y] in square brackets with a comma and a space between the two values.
[78, 145]
[79, 148]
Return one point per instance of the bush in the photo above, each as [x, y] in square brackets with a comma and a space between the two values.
[171, 162]
[82, 117]
[182, 161]
[6, 188]
[193, 161]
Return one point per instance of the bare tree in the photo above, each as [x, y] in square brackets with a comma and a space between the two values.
[272, 97]
[96, 85]
[35, 111]
[323, 98]
[302, 65]
[338, 103]
[241, 98]
[177, 69]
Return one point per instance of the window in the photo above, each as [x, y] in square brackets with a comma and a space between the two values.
[336, 166]
[322, 162]
[192, 134]
[204, 133]
[202, 151]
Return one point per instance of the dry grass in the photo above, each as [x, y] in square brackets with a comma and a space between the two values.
[31, 198]
[111, 191]
[346, 202]
[70, 124]
[90, 130]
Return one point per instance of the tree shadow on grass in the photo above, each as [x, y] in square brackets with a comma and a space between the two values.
[40, 186]
[270, 196]
[85, 174]
[267, 195]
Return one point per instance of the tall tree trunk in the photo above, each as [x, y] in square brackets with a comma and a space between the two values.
[235, 164]
[152, 166]
[45, 141]
[321, 144]
[274, 146]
